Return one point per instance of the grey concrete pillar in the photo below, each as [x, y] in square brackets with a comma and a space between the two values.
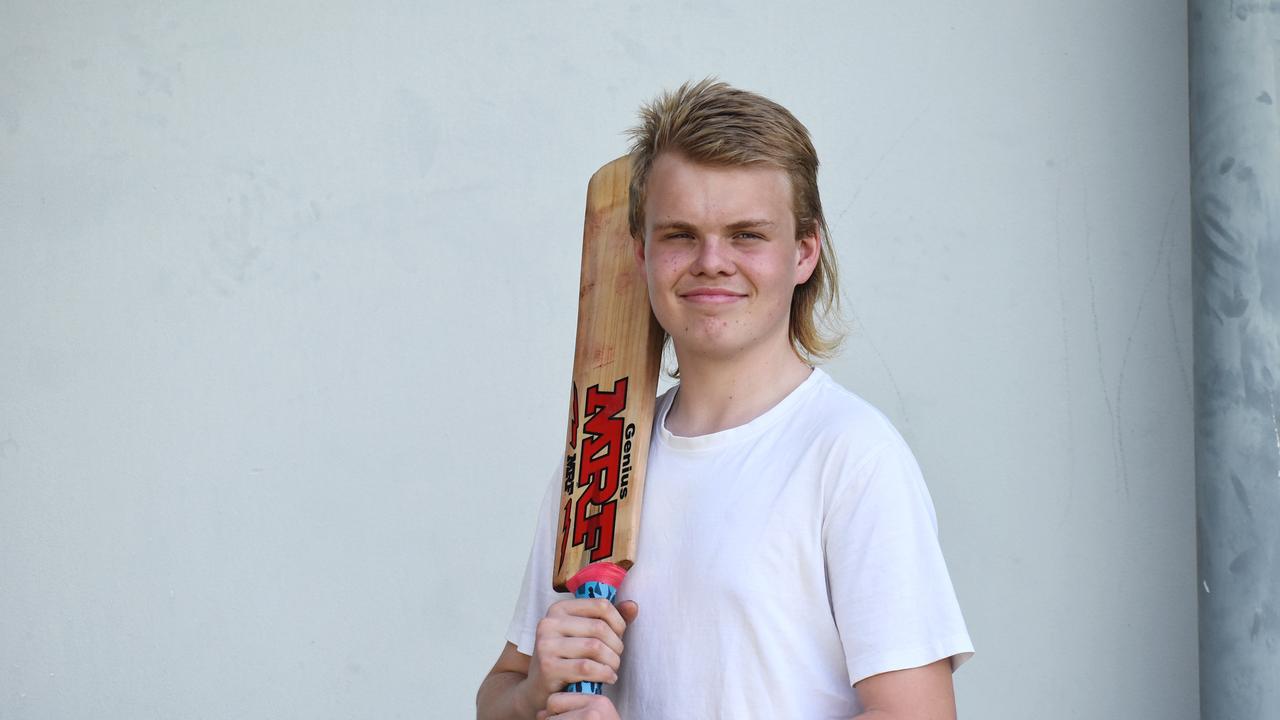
[1235, 200]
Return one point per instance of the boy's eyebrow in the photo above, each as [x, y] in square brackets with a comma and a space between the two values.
[744, 224]
[739, 225]
[673, 225]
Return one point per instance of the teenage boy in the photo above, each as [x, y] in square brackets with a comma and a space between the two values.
[788, 559]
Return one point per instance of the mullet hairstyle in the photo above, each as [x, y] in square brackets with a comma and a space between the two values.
[712, 123]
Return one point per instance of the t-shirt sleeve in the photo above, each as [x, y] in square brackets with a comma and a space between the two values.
[891, 595]
[536, 593]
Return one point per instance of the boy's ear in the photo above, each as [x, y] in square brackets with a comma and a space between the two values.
[810, 249]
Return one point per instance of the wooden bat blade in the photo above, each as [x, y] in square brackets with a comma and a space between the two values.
[615, 374]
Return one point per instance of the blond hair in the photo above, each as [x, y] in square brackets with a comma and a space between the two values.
[710, 122]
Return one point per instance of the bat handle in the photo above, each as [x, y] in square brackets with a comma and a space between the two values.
[600, 579]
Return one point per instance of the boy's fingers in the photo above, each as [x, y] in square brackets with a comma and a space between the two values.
[628, 609]
[593, 608]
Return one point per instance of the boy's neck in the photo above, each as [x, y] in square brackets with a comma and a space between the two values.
[717, 395]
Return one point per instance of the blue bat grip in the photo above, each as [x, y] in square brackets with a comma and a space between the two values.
[592, 582]
[592, 590]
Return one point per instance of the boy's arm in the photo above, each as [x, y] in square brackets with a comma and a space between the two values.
[922, 693]
[578, 639]
[504, 694]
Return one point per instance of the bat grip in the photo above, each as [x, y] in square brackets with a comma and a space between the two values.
[600, 579]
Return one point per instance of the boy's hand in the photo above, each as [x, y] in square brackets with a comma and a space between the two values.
[578, 706]
[578, 639]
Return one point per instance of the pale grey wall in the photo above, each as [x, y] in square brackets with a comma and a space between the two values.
[287, 302]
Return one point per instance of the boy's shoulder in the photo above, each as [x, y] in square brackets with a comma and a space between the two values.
[833, 409]
[819, 410]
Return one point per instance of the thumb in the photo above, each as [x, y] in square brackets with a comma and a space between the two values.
[628, 609]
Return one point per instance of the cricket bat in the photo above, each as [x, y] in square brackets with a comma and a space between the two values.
[616, 362]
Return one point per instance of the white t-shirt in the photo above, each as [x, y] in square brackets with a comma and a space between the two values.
[778, 563]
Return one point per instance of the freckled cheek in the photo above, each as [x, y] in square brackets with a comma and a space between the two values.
[663, 272]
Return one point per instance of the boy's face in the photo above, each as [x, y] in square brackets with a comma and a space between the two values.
[721, 256]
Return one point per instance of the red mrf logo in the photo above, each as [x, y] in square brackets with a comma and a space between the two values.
[600, 469]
